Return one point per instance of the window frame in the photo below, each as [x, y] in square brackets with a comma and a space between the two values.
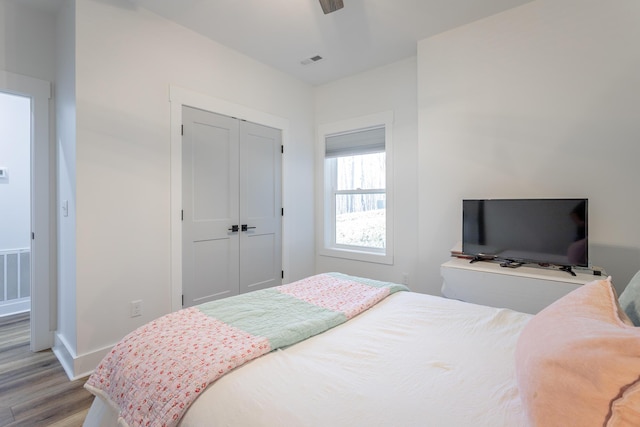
[326, 192]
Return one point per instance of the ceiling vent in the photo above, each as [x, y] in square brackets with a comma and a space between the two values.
[311, 60]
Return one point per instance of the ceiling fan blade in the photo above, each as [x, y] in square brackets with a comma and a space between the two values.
[329, 6]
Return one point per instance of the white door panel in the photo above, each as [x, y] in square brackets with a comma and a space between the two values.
[261, 253]
[260, 207]
[213, 187]
[210, 204]
[212, 260]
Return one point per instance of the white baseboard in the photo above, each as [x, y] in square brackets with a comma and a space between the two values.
[77, 366]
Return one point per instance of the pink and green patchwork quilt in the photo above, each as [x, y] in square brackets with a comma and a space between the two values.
[154, 374]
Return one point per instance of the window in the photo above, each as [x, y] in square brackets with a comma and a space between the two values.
[356, 196]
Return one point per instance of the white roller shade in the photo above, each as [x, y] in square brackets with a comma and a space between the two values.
[365, 141]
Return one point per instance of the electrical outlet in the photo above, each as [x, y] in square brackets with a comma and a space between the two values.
[136, 308]
[405, 278]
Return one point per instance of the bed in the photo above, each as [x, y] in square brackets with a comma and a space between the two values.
[411, 359]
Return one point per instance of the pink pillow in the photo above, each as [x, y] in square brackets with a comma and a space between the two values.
[578, 362]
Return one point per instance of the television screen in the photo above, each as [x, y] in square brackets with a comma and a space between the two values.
[542, 231]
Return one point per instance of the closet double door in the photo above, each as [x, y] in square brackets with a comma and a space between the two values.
[232, 210]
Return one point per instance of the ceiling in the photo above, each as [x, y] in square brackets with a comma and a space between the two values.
[282, 33]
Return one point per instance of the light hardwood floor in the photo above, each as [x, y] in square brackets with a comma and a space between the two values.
[34, 390]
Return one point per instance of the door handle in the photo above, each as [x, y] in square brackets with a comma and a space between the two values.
[234, 228]
[245, 228]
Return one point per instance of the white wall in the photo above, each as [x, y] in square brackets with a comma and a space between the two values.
[538, 101]
[389, 88]
[68, 317]
[15, 156]
[27, 44]
[126, 60]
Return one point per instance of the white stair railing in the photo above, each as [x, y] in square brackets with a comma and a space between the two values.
[15, 281]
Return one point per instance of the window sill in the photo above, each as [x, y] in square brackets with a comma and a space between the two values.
[356, 255]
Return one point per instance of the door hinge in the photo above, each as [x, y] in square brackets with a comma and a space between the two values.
[182, 130]
[282, 212]
[182, 215]
[33, 236]
[183, 300]
[282, 149]
[283, 274]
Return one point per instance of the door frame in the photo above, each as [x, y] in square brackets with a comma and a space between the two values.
[42, 253]
[179, 97]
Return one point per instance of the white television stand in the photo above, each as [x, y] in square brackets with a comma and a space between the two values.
[528, 289]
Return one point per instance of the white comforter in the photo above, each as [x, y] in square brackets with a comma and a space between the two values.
[411, 360]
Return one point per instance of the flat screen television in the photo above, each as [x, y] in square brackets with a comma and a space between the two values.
[541, 231]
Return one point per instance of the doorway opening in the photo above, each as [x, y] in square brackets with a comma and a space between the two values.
[15, 197]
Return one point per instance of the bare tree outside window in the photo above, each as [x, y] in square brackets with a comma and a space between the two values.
[360, 200]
